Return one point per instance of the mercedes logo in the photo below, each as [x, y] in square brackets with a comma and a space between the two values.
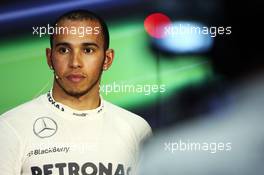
[45, 127]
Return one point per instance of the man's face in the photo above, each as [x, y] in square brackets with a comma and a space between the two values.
[78, 61]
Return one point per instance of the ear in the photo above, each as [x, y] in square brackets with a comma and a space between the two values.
[109, 58]
[48, 57]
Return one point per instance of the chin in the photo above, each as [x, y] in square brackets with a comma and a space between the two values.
[77, 92]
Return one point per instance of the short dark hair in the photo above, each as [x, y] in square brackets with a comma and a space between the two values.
[84, 15]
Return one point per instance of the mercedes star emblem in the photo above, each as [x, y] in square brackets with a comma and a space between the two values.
[45, 127]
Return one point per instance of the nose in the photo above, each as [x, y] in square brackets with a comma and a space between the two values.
[75, 61]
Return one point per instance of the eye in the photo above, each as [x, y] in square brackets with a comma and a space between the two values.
[63, 50]
[88, 50]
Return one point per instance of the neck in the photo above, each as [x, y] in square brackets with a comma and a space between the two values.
[88, 101]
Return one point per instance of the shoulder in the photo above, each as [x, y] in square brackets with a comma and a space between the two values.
[22, 116]
[25, 108]
[137, 123]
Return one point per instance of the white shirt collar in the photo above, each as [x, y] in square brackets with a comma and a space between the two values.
[64, 109]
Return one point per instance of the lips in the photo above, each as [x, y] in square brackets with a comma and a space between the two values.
[75, 78]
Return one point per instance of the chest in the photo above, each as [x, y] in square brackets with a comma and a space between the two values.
[96, 147]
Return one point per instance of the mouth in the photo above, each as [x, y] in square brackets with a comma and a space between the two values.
[75, 78]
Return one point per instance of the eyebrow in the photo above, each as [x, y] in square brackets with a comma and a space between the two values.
[83, 44]
[90, 44]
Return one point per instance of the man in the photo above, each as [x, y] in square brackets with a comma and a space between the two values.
[72, 130]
